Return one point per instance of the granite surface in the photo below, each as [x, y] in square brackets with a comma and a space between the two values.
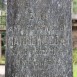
[39, 38]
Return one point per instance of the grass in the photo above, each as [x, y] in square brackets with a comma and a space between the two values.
[2, 60]
[75, 62]
[3, 20]
[75, 56]
[74, 70]
[75, 6]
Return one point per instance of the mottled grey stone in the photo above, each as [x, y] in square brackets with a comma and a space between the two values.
[39, 38]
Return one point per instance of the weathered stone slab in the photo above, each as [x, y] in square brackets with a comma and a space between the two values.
[39, 38]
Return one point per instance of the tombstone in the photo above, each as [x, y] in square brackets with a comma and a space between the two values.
[39, 38]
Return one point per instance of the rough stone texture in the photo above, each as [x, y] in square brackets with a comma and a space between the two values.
[39, 38]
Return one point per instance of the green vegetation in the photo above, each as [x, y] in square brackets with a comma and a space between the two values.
[3, 43]
[2, 60]
[75, 62]
[74, 70]
[2, 5]
[2, 14]
[2, 27]
[75, 56]
[75, 6]
[3, 20]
